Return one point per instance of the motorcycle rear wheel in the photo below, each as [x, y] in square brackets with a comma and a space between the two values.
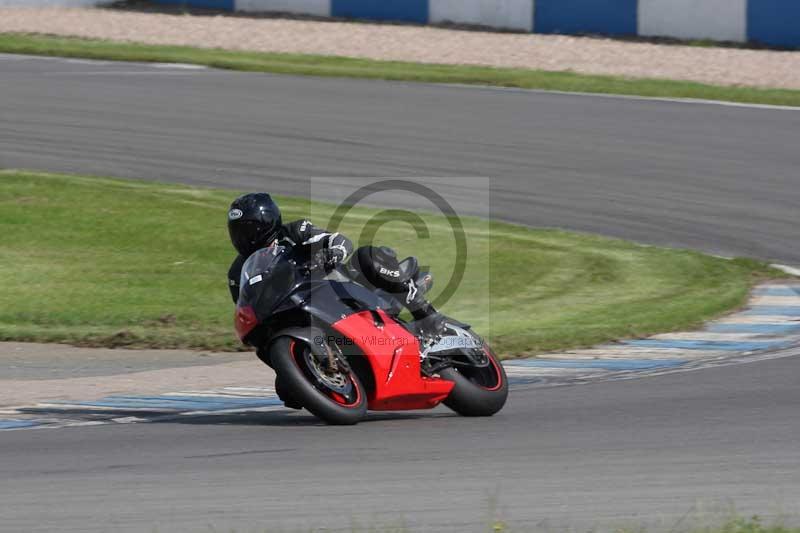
[478, 391]
[335, 398]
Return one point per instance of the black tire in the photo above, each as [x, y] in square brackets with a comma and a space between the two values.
[478, 391]
[290, 359]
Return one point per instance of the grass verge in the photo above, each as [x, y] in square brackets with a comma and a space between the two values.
[332, 66]
[96, 261]
[733, 525]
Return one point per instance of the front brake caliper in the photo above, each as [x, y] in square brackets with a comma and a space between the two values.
[334, 361]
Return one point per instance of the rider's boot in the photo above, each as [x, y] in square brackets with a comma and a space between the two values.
[280, 389]
[285, 396]
[427, 320]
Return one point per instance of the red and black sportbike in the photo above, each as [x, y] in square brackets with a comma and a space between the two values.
[339, 348]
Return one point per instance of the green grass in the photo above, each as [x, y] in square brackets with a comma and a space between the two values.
[107, 262]
[736, 524]
[747, 525]
[317, 65]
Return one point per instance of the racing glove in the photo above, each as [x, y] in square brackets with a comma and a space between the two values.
[326, 259]
[332, 257]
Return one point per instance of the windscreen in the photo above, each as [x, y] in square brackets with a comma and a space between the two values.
[267, 278]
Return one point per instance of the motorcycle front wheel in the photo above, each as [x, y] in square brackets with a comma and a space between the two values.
[337, 398]
[479, 391]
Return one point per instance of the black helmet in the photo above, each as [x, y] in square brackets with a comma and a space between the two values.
[254, 221]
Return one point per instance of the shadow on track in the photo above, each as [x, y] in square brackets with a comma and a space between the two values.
[284, 418]
[72, 415]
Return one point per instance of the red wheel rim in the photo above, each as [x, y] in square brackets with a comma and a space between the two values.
[497, 373]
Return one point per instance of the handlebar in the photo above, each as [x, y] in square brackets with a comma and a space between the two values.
[315, 263]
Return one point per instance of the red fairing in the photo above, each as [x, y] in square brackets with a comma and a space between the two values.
[393, 353]
[245, 320]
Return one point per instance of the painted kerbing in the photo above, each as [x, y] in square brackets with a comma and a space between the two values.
[729, 339]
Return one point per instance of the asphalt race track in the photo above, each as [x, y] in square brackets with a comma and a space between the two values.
[722, 179]
[648, 450]
[718, 178]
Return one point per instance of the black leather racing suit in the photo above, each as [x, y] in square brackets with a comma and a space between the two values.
[298, 233]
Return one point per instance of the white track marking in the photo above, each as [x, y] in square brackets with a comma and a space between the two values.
[794, 271]
[695, 101]
[776, 300]
[127, 73]
[185, 66]
[708, 336]
[74, 61]
[759, 319]
[623, 352]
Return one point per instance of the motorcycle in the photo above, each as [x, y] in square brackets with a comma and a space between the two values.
[339, 348]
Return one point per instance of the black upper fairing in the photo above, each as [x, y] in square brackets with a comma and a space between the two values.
[277, 286]
[268, 277]
[331, 300]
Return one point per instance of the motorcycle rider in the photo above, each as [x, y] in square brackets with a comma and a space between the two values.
[254, 222]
